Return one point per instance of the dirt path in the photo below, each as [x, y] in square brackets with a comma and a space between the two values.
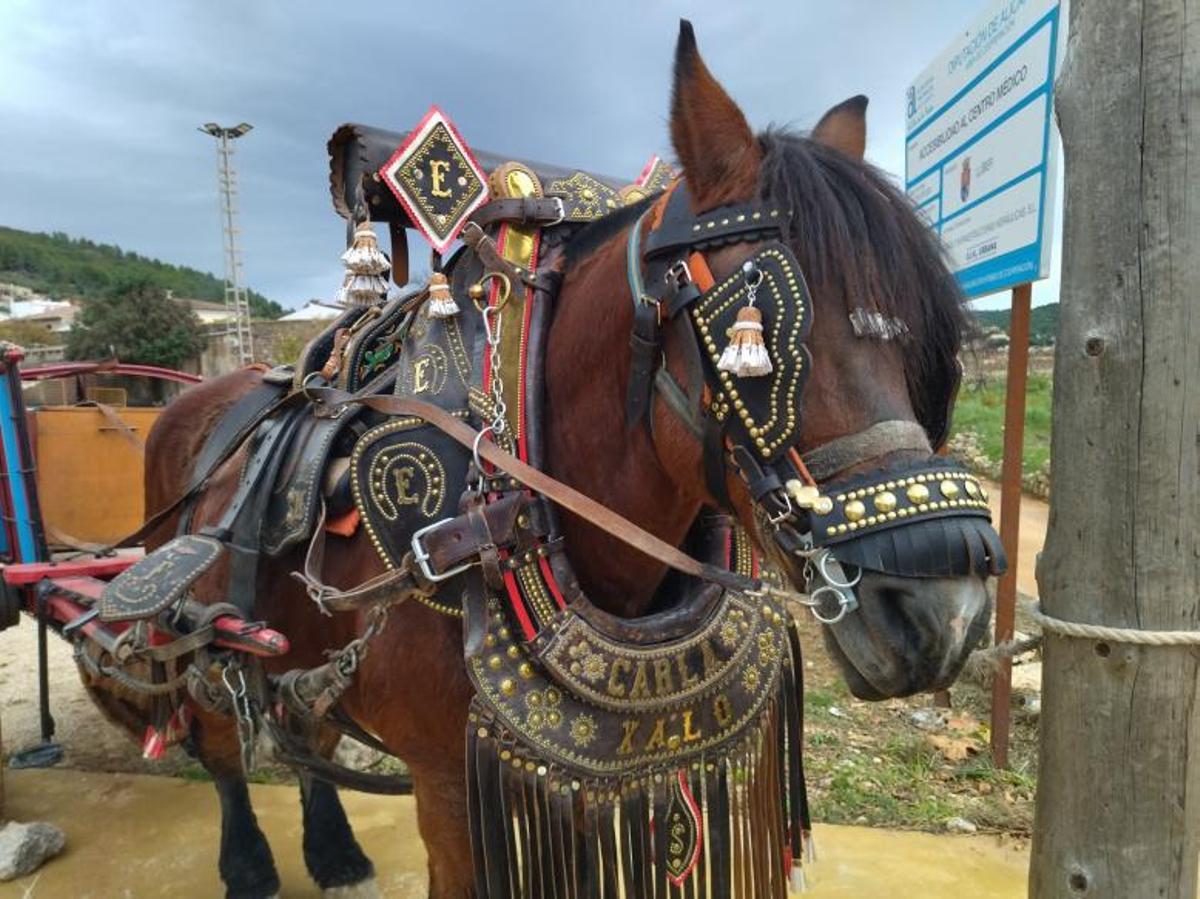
[1035, 517]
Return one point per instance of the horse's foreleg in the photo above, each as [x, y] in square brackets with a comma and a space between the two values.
[246, 865]
[441, 794]
[331, 854]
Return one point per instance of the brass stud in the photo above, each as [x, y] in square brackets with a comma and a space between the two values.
[949, 489]
[505, 633]
[972, 488]
[841, 529]
[885, 501]
[822, 505]
[525, 670]
[513, 652]
[495, 662]
[855, 510]
[508, 686]
[918, 493]
[489, 640]
[830, 531]
[475, 292]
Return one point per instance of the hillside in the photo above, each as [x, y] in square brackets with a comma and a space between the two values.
[61, 267]
[1043, 322]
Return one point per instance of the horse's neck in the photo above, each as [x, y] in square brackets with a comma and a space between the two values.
[589, 447]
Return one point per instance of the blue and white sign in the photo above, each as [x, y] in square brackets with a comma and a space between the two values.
[981, 148]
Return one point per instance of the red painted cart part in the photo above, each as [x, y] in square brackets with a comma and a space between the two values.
[249, 637]
[70, 369]
[231, 631]
[26, 573]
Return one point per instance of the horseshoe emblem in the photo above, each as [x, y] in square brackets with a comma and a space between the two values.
[407, 475]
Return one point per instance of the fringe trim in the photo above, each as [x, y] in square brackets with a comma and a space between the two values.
[541, 829]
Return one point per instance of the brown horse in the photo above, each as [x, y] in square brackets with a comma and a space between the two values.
[859, 244]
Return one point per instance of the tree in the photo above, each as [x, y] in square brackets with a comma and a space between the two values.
[29, 334]
[135, 322]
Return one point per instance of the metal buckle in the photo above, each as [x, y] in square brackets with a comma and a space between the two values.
[562, 213]
[678, 271]
[422, 558]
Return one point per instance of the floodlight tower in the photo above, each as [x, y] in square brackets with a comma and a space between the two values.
[235, 294]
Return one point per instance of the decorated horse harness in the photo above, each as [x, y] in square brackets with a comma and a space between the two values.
[603, 754]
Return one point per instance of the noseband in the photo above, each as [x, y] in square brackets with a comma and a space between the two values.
[924, 519]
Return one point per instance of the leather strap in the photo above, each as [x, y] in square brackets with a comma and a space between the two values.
[570, 499]
[682, 231]
[494, 261]
[881, 438]
[645, 346]
[520, 211]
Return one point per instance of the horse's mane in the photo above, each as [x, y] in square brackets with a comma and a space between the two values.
[856, 234]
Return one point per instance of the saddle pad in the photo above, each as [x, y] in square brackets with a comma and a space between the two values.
[160, 580]
[405, 475]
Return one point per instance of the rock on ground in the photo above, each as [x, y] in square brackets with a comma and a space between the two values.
[960, 825]
[24, 847]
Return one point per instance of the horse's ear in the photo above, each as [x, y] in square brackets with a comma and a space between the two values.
[844, 127]
[712, 139]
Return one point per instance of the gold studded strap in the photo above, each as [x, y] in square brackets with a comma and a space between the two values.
[880, 501]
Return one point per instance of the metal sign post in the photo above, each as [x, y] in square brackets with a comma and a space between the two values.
[980, 160]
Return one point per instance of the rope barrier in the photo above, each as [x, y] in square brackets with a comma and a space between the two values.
[1112, 634]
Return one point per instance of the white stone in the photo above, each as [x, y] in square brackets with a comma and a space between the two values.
[24, 847]
[960, 825]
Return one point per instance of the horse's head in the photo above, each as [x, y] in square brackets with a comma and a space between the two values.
[881, 376]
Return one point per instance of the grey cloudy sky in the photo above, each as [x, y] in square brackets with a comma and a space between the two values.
[100, 99]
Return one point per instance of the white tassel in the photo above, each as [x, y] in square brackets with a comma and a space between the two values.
[746, 356]
[796, 881]
[364, 283]
[441, 302]
[362, 290]
[364, 256]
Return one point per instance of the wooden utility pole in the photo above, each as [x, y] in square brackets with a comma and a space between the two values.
[1118, 806]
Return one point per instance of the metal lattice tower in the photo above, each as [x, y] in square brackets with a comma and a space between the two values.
[235, 294]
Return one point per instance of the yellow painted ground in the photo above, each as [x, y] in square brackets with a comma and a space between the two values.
[135, 835]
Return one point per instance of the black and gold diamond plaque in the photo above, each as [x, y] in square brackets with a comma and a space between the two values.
[436, 179]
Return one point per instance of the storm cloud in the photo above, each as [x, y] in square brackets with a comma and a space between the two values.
[100, 101]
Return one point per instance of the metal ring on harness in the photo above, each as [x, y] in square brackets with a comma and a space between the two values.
[501, 299]
[823, 569]
[846, 603]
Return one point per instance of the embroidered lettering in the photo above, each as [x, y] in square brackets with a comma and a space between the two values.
[404, 476]
[723, 710]
[630, 727]
[615, 687]
[420, 382]
[686, 677]
[711, 662]
[689, 735]
[662, 678]
[641, 683]
[437, 174]
[658, 736]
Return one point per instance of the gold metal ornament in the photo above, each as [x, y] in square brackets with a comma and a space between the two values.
[918, 493]
[855, 510]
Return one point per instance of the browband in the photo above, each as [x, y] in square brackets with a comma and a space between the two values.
[680, 229]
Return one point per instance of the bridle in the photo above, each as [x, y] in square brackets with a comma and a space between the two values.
[673, 290]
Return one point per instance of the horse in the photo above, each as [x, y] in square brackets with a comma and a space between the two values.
[860, 245]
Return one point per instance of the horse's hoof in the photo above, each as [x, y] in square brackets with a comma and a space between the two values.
[364, 889]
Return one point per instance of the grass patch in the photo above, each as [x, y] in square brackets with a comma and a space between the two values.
[980, 408]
